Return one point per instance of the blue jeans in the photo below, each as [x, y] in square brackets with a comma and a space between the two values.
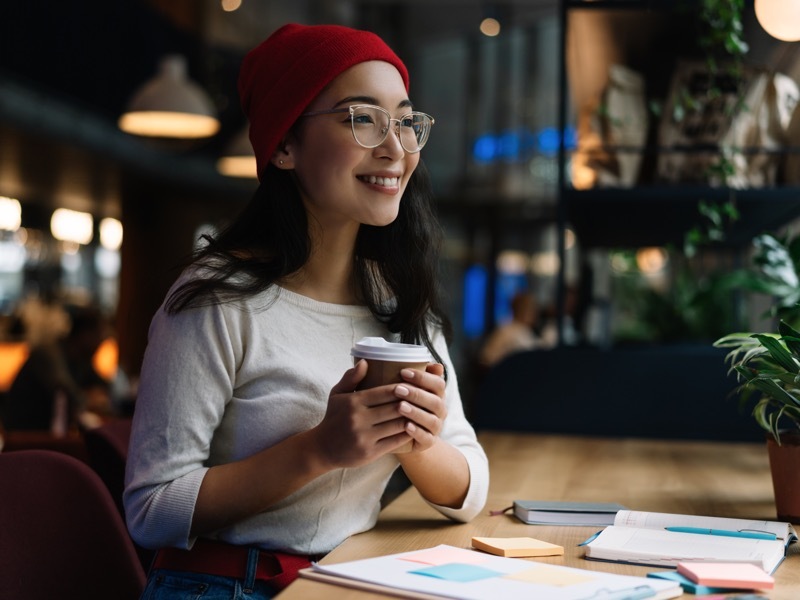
[165, 584]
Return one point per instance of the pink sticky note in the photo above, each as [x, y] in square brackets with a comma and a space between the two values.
[442, 555]
[729, 575]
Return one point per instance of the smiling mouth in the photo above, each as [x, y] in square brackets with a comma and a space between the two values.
[382, 181]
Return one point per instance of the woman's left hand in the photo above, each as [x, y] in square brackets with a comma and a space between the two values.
[436, 468]
[422, 404]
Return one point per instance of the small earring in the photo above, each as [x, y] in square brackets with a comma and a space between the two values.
[280, 162]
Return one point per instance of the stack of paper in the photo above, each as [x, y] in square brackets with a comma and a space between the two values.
[449, 572]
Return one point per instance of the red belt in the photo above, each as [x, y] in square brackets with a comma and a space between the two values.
[227, 560]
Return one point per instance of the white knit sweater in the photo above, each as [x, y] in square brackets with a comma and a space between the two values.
[223, 382]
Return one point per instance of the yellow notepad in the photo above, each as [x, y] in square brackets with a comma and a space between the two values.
[516, 547]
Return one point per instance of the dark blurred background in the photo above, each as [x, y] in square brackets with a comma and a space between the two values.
[511, 111]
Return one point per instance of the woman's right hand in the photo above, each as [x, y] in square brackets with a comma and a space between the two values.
[359, 426]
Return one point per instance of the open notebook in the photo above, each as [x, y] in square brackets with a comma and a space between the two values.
[642, 538]
[449, 572]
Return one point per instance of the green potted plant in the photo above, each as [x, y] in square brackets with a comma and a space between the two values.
[768, 368]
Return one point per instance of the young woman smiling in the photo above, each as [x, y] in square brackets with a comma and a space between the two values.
[251, 451]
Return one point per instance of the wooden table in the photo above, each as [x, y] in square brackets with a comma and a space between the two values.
[702, 478]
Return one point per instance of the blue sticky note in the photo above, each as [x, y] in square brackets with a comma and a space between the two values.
[457, 572]
[687, 584]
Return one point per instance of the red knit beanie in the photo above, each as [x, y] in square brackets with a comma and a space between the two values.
[281, 76]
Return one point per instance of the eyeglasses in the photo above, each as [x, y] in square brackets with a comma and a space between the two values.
[371, 124]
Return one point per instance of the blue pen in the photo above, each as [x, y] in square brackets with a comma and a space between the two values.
[591, 538]
[753, 535]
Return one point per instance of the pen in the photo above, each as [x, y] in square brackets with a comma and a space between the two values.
[753, 535]
[591, 538]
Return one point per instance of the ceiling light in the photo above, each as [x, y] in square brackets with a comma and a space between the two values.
[10, 213]
[110, 234]
[780, 18]
[238, 159]
[490, 27]
[170, 106]
[651, 260]
[512, 262]
[545, 264]
[71, 226]
[231, 5]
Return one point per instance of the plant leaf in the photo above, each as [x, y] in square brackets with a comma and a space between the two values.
[790, 337]
[779, 352]
[772, 389]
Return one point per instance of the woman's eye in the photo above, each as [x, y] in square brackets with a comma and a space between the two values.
[363, 119]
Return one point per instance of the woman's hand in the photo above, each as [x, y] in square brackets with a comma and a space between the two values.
[438, 470]
[361, 426]
[422, 404]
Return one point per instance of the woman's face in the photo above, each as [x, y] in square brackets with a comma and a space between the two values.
[336, 176]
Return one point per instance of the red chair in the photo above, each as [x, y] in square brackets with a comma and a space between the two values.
[107, 450]
[107, 447]
[61, 536]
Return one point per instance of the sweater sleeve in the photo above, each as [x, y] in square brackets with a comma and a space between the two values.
[186, 381]
[459, 433]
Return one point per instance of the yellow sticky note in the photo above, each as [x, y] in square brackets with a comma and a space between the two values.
[442, 555]
[544, 575]
[517, 547]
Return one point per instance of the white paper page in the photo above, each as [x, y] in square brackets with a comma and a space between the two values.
[651, 520]
[518, 579]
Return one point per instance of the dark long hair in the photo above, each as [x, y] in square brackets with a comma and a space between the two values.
[269, 240]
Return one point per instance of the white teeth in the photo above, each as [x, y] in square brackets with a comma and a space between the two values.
[382, 181]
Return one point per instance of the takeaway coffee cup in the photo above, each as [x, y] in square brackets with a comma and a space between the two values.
[385, 361]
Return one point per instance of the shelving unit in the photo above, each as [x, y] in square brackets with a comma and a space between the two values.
[660, 215]
[655, 214]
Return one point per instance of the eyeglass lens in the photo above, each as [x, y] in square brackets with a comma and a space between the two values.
[371, 125]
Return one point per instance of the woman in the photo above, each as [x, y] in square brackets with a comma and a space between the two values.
[251, 453]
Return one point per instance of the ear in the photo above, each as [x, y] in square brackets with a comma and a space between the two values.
[283, 156]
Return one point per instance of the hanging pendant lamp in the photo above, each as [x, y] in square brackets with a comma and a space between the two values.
[170, 106]
[780, 18]
[238, 160]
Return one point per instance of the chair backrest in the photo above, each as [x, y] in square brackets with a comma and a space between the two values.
[107, 449]
[61, 536]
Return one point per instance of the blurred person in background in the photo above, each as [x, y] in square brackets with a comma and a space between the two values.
[516, 335]
[58, 388]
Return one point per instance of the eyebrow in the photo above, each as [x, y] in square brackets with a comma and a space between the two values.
[372, 100]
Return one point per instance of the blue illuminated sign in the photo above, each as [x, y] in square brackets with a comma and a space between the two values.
[514, 145]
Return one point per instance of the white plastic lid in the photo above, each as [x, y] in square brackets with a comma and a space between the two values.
[377, 348]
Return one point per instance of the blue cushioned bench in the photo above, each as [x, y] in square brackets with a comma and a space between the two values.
[671, 392]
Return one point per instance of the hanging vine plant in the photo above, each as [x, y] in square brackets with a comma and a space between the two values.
[720, 41]
[721, 32]
[722, 46]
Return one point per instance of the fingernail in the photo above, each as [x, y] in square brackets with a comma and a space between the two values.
[410, 427]
[408, 373]
[405, 407]
[402, 390]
